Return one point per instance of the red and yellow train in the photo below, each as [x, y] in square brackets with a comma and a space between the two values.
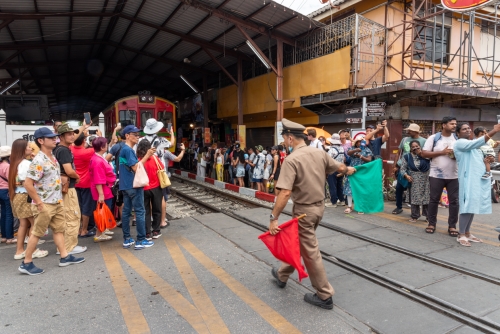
[137, 109]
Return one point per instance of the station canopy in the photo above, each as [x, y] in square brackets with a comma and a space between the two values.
[85, 54]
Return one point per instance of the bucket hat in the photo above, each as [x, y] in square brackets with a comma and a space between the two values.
[5, 151]
[152, 126]
[335, 140]
[413, 127]
[66, 127]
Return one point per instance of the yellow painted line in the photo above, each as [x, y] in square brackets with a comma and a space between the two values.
[169, 293]
[265, 311]
[439, 229]
[131, 311]
[200, 297]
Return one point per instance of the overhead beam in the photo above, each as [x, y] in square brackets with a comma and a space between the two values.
[5, 23]
[225, 15]
[41, 16]
[256, 47]
[221, 67]
[184, 37]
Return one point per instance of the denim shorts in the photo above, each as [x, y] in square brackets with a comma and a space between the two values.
[240, 171]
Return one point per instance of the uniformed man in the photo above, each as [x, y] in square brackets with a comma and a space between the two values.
[304, 182]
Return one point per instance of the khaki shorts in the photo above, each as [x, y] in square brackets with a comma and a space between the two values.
[51, 216]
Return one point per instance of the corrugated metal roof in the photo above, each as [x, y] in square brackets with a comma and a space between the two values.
[97, 61]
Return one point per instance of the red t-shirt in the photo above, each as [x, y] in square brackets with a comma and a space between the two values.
[82, 158]
[151, 169]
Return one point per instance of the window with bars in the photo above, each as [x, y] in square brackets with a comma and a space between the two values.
[432, 43]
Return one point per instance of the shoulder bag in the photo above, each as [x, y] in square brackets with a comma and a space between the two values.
[64, 178]
[141, 178]
[162, 175]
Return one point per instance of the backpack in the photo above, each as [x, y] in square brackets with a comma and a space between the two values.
[438, 136]
[117, 158]
[338, 157]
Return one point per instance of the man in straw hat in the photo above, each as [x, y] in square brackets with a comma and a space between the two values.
[304, 181]
[413, 131]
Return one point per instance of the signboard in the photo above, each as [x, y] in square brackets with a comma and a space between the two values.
[355, 133]
[375, 109]
[278, 129]
[352, 111]
[242, 136]
[353, 120]
[465, 5]
[207, 136]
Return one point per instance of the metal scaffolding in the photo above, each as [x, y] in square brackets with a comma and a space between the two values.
[428, 52]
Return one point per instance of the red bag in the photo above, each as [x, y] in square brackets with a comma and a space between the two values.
[285, 245]
[103, 217]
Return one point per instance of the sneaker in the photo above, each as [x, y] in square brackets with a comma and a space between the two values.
[30, 269]
[148, 237]
[108, 232]
[328, 205]
[76, 250]
[143, 244]
[313, 299]
[156, 235]
[102, 237]
[69, 260]
[128, 242]
[486, 175]
[335, 205]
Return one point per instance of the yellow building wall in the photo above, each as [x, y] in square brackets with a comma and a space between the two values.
[325, 74]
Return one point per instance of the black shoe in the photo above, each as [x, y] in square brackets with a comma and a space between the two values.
[279, 283]
[313, 299]
[397, 211]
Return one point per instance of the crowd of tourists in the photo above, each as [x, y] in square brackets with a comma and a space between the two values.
[58, 181]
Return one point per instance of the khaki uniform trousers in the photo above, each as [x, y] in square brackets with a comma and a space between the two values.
[73, 216]
[309, 249]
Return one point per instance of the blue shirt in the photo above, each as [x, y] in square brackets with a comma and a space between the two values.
[127, 158]
[375, 145]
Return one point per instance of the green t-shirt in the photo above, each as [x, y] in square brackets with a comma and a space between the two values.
[404, 147]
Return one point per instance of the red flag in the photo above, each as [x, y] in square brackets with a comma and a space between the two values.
[285, 245]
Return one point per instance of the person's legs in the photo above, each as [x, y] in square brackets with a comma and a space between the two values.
[140, 212]
[452, 188]
[156, 206]
[127, 212]
[399, 195]
[465, 221]
[332, 187]
[349, 201]
[72, 219]
[148, 197]
[415, 211]
[7, 218]
[340, 191]
[436, 189]
[22, 232]
[425, 208]
[163, 208]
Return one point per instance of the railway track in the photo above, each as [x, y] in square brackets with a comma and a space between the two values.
[201, 199]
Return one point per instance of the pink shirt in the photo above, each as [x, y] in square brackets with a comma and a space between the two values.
[4, 171]
[101, 172]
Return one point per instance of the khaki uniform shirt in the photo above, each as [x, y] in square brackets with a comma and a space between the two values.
[304, 173]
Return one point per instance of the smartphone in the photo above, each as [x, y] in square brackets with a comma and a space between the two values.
[169, 127]
[156, 143]
[498, 119]
[92, 132]
[86, 115]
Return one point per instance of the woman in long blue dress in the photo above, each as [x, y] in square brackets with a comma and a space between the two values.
[474, 192]
[359, 154]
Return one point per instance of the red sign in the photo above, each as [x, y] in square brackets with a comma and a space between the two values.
[465, 5]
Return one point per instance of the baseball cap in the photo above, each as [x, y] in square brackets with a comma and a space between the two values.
[44, 132]
[259, 148]
[237, 146]
[370, 127]
[66, 128]
[129, 129]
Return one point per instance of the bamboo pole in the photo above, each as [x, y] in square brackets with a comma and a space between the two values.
[301, 216]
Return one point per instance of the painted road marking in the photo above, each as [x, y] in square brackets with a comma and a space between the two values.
[131, 311]
[198, 294]
[260, 307]
[169, 293]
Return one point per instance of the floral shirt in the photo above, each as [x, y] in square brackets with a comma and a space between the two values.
[258, 171]
[46, 173]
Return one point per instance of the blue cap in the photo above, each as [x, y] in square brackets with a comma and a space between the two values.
[44, 132]
[129, 129]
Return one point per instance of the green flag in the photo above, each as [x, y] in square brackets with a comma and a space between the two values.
[366, 186]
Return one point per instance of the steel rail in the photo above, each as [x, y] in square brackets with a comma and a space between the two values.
[450, 310]
[396, 248]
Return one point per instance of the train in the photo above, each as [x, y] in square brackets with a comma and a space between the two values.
[137, 109]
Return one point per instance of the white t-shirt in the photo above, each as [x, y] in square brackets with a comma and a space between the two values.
[316, 143]
[442, 167]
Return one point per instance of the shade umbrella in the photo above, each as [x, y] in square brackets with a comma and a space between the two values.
[320, 132]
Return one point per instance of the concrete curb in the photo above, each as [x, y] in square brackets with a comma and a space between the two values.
[223, 185]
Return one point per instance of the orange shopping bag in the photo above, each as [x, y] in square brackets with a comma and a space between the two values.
[103, 217]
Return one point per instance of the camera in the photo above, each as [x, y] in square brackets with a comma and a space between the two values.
[92, 132]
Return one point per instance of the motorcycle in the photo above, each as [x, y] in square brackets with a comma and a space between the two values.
[495, 184]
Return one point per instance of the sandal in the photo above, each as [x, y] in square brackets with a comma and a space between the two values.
[397, 211]
[463, 241]
[38, 253]
[347, 210]
[413, 220]
[3, 240]
[453, 233]
[11, 241]
[430, 229]
[473, 238]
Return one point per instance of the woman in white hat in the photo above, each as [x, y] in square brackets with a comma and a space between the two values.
[6, 219]
[20, 161]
